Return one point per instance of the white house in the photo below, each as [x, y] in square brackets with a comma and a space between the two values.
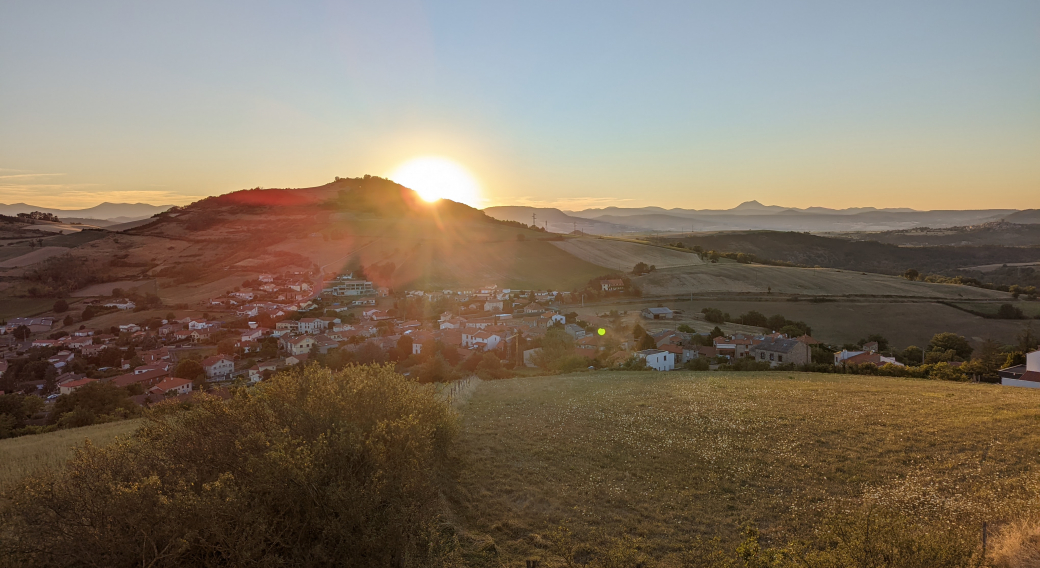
[493, 306]
[657, 359]
[218, 366]
[1030, 378]
[483, 339]
[297, 345]
[122, 304]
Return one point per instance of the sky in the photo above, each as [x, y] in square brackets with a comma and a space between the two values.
[931, 105]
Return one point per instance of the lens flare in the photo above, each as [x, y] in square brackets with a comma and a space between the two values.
[436, 178]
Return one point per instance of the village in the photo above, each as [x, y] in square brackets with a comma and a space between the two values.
[278, 321]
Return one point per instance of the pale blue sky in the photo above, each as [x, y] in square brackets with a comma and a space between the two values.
[920, 104]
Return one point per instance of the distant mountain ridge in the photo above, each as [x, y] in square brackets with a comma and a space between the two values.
[752, 215]
[115, 212]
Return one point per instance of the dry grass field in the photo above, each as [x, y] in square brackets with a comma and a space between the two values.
[23, 456]
[759, 279]
[668, 457]
[903, 323]
[623, 255]
[24, 307]
[1029, 309]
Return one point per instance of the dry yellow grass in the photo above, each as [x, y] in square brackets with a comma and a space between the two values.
[667, 457]
[25, 455]
[1017, 545]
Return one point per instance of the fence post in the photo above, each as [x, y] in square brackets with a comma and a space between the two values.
[984, 541]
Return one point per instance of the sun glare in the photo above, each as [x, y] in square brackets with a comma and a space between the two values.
[436, 178]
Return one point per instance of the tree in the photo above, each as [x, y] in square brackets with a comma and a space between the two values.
[876, 338]
[951, 342]
[716, 332]
[1007, 311]
[21, 333]
[189, 369]
[638, 332]
[912, 355]
[490, 367]
[754, 318]
[911, 274]
[404, 346]
[90, 403]
[713, 315]
[435, 370]
[557, 344]
[685, 328]
[88, 313]
[68, 320]
[280, 460]
[227, 346]
[1027, 340]
[61, 306]
[647, 342]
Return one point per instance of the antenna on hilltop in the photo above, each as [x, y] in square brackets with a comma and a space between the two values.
[534, 220]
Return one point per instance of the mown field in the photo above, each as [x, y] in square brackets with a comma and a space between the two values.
[665, 458]
[23, 456]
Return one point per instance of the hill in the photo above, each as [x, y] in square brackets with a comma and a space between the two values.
[755, 216]
[860, 253]
[116, 212]
[666, 458]
[556, 221]
[215, 244]
[1001, 233]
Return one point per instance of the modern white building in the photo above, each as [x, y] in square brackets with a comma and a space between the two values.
[350, 288]
[657, 359]
[1029, 377]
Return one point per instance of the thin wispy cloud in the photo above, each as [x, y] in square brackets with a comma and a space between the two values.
[13, 176]
[572, 203]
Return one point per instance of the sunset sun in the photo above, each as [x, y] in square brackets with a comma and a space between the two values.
[436, 178]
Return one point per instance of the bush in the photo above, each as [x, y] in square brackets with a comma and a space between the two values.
[313, 468]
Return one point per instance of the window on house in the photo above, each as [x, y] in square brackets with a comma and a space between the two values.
[780, 358]
[770, 356]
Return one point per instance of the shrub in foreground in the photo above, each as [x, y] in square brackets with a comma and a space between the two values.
[314, 468]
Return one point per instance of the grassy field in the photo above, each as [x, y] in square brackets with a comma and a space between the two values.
[622, 256]
[23, 307]
[668, 457]
[1030, 309]
[22, 456]
[72, 240]
[839, 322]
[760, 279]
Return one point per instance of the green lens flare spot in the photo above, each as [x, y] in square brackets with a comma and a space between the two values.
[601, 331]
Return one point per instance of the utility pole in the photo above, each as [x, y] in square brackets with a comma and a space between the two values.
[534, 220]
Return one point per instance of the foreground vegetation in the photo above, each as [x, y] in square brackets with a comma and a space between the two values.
[656, 466]
[23, 456]
[313, 469]
[364, 467]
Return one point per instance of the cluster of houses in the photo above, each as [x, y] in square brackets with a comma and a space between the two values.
[675, 348]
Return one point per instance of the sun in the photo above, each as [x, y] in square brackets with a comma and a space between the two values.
[436, 178]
